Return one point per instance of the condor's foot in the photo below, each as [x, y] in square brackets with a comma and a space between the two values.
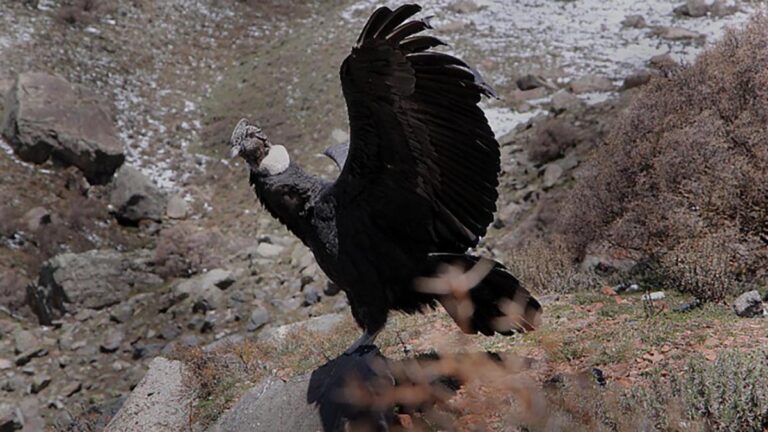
[365, 339]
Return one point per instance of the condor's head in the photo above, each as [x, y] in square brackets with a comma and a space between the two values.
[264, 158]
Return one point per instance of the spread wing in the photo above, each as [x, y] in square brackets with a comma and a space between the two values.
[421, 151]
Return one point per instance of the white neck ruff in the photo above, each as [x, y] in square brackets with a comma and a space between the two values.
[276, 161]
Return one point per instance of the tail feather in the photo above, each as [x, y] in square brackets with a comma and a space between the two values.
[496, 304]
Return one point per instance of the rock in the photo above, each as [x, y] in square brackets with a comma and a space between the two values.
[721, 8]
[677, 34]
[311, 296]
[121, 313]
[748, 305]
[177, 208]
[634, 21]
[71, 388]
[5, 364]
[206, 288]
[95, 279]
[170, 331]
[637, 79]
[259, 317]
[273, 405]
[323, 324]
[339, 136]
[656, 295]
[565, 101]
[590, 83]
[663, 62]
[519, 96]
[133, 197]
[160, 402]
[464, 7]
[26, 356]
[10, 418]
[39, 383]
[37, 217]
[25, 340]
[47, 117]
[697, 8]
[552, 174]
[142, 350]
[112, 340]
[531, 81]
[269, 250]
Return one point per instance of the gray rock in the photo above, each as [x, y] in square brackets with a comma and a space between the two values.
[5, 364]
[697, 8]
[748, 305]
[134, 197]
[721, 8]
[331, 289]
[121, 313]
[160, 402]
[95, 279]
[323, 324]
[637, 79]
[677, 34]
[269, 250]
[10, 418]
[259, 317]
[273, 405]
[565, 101]
[634, 21]
[531, 81]
[37, 217]
[71, 388]
[47, 117]
[590, 83]
[177, 208]
[552, 174]
[39, 383]
[112, 340]
[311, 296]
[207, 287]
[656, 295]
[25, 340]
[26, 356]
[464, 7]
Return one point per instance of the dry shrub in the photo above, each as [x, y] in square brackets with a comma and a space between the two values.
[184, 250]
[545, 267]
[682, 177]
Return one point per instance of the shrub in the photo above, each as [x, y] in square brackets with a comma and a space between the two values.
[682, 176]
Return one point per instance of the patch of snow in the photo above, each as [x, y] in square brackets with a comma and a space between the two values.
[503, 120]
[594, 98]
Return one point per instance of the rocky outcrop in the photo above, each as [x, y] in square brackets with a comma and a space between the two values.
[93, 279]
[135, 198]
[47, 117]
[160, 403]
[273, 405]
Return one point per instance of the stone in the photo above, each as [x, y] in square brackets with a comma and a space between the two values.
[464, 7]
[697, 8]
[206, 289]
[5, 364]
[532, 81]
[142, 350]
[590, 83]
[721, 8]
[268, 250]
[339, 136]
[161, 402]
[10, 418]
[71, 389]
[272, 405]
[637, 79]
[565, 101]
[133, 197]
[47, 117]
[259, 317]
[748, 305]
[26, 356]
[112, 340]
[662, 62]
[37, 217]
[25, 340]
[170, 331]
[323, 324]
[552, 174]
[677, 34]
[311, 296]
[331, 289]
[94, 280]
[528, 95]
[656, 295]
[121, 313]
[634, 21]
[39, 383]
[177, 207]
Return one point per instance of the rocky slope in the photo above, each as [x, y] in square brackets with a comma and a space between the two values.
[104, 269]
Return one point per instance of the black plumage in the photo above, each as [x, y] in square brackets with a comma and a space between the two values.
[417, 187]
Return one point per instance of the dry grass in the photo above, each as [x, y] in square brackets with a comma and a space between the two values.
[682, 177]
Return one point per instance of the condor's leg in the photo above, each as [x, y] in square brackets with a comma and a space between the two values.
[367, 338]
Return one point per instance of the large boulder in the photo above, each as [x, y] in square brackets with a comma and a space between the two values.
[135, 198]
[94, 279]
[748, 305]
[46, 117]
[160, 403]
[273, 405]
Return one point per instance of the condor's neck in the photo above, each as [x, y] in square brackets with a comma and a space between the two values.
[289, 197]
